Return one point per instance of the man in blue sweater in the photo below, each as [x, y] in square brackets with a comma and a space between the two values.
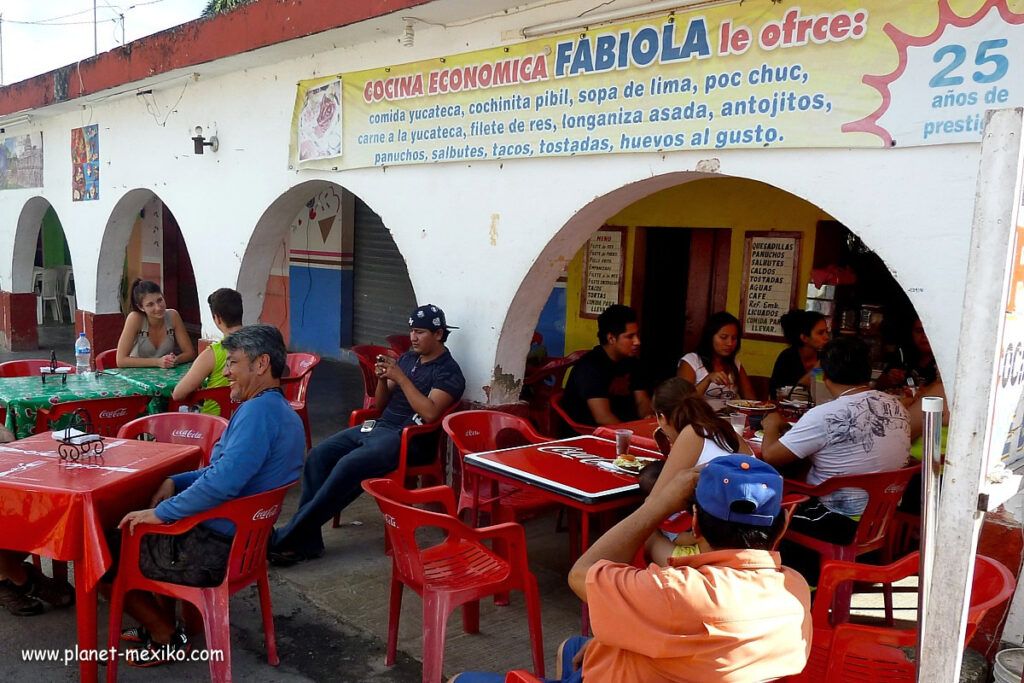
[261, 450]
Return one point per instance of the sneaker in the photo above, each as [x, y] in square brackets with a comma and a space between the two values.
[17, 601]
[52, 591]
[135, 634]
[151, 653]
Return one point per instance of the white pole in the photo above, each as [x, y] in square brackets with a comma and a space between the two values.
[95, 40]
[931, 466]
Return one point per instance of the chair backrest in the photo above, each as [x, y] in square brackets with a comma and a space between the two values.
[68, 283]
[190, 429]
[367, 354]
[556, 405]
[51, 283]
[884, 491]
[106, 360]
[300, 370]
[400, 343]
[401, 520]
[861, 652]
[220, 395]
[553, 372]
[474, 431]
[254, 518]
[106, 415]
[28, 367]
[521, 676]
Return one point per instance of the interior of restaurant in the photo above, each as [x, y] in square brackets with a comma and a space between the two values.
[681, 254]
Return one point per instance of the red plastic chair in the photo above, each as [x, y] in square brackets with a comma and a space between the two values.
[540, 384]
[300, 365]
[844, 652]
[367, 356]
[254, 518]
[520, 676]
[400, 343]
[475, 431]
[884, 491]
[405, 471]
[556, 405]
[28, 367]
[106, 360]
[195, 400]
[190, 429]
[106, 415]
[456, 572]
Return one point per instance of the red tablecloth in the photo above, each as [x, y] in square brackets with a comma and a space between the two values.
[59, 508]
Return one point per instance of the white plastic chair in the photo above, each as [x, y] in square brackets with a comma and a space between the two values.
[68, 291]
[49, 292]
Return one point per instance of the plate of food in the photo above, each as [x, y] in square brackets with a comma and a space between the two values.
[634, 465]
[753, 406]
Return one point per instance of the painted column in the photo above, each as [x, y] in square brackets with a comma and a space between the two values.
[18, 331]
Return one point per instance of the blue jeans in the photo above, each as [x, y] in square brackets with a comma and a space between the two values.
[566, 652]
[332, 478]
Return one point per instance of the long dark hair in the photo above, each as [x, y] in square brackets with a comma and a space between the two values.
[677, 400]
[799, 322]
[706, 349]
[140, 288]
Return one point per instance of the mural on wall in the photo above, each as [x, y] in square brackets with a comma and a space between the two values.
[21, 162]
[319, 116]
[869, 73]
[85, 163]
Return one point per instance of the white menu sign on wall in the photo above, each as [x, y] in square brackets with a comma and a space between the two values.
[603, 268]
[770, 279]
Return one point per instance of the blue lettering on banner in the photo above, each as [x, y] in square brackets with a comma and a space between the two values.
[642, 48]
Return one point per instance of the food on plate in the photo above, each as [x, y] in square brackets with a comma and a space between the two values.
[634, 464]
[743, 404]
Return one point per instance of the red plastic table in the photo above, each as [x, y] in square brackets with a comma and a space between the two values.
[570, 471]
[60, 508]
[643, 432]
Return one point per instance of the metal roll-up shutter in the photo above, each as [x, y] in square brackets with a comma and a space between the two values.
[383, 292]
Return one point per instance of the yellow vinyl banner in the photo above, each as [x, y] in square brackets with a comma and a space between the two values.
[751, 75]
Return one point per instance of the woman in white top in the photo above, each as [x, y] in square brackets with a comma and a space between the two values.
[697, 434]
[713, 368]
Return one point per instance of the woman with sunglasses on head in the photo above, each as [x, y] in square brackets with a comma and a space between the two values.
[152, 332]
[713, 367]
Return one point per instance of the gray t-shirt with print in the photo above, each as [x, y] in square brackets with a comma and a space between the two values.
[855, 434]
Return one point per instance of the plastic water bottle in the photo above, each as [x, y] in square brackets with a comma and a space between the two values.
[82, 354]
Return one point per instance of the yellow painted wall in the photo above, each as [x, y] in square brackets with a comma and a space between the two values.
[741, 205]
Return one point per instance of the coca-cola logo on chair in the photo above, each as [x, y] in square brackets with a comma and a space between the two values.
[109, 414]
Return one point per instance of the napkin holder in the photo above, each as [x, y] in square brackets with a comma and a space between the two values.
[48, 370]
[77, 439]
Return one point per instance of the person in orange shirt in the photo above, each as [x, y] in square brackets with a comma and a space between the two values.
[732, 613]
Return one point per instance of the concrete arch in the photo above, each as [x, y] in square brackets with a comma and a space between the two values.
[25, 237]
[110, 264]
[532, 294]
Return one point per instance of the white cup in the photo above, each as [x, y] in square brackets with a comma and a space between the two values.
[738, 422]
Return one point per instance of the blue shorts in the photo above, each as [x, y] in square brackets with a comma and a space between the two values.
[568, 650]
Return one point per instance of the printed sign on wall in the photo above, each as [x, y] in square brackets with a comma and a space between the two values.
[85, 163]
[822, 73]
[604, 261]
[318, 111]
[770, 278]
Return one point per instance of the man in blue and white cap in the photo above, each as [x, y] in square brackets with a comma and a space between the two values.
[731, 613]
[417, 388]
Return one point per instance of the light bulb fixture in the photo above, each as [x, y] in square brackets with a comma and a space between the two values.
[587, 20]
[200, 142]
[408, 34]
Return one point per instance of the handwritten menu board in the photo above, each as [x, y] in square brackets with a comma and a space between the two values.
[770, 273]
[603, 269]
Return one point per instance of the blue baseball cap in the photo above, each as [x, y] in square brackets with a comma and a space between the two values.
[429, 317]
[740, 488]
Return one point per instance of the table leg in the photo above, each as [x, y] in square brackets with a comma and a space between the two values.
[584, 544]
[85, 611]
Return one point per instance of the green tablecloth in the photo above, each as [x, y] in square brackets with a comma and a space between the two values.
[24, 396]
[157, 382]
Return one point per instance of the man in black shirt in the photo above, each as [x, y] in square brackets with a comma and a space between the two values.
[605, 386]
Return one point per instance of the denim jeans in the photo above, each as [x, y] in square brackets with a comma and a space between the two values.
[332, 478]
